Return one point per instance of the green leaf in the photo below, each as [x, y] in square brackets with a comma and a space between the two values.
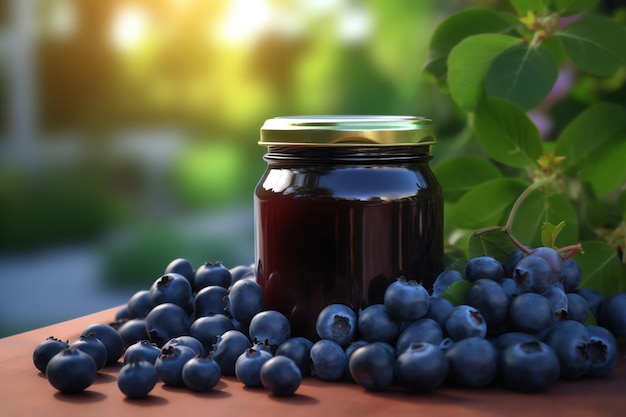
[601, 268]
[458, 27]
[594, 146]
[571, 7]
[549, 232]
[461, 174]
[455, 293]
[468, 64]
[507, 134]
[486, 204]
[596, 44]
[561, 7]
[591, 210]
[525, 6]
[604, 170]
[523, 75]
[541, 206]
[493, 243]
[622, 203]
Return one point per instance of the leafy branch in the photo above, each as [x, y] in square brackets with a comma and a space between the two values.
[547, 189]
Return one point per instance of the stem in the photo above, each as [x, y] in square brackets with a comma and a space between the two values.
[506, 229]
[509, 221]
[516, 242]
[571, 250]
[532, 187]
[487, 230]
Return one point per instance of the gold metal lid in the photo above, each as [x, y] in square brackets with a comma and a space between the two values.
[347, 131]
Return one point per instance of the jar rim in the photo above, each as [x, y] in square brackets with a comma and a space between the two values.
[347, 130]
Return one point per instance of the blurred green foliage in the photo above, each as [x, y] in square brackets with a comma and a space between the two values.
[211, 71]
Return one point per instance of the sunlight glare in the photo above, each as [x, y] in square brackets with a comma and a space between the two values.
[129, 27]
[245, 20]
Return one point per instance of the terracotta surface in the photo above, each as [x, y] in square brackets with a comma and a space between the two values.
[24, 391]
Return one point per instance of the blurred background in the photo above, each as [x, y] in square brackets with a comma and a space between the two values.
[129, 128]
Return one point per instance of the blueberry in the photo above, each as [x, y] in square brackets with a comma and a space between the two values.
[328, 360]
[45, 350]
[270, 326]
[227, 349]
[299, 350]
[137, 378]
[201, 374]
[372, 367]
[170, 362]
[421, 367]
[603, 351]
[166, 321]
[144, 350]
[439, 310]
[264, 346]
[183, 267]
[444, 280]
[424, 330]
[406, 300]
[612, 314]
[511, 338]
[577, 308]
[110, 338]
[511, 261]
[570, 341]
[559, 301]
[530, 366]
[210, 300]
[170, 288]
[491, 300]
[139, 304]
[376, 325]
[71, 371]
[594, 299]
[211, 273]
[248, 366]
[281, 376]
[446, 343]
[123, 314]
[473, 362]
[336, 322]
[208, 329]
[245, 299]
[389, 348]
[349, 350]
[133, 330]
[530, 313]
[92, 346]
[465, 321]
[189, 341]
[484, 267]
[240, 272]
[510, 286]
[533, 273]
[571, 275]
[553, 259]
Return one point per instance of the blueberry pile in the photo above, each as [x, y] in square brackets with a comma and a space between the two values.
[524, 323]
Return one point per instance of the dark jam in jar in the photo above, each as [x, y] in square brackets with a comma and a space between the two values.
[346, 206]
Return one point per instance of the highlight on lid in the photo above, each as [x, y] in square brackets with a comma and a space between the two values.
[348, 130]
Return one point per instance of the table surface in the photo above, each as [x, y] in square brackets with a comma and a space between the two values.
[24, 391]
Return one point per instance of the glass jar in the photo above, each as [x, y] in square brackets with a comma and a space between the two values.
[347, 205]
